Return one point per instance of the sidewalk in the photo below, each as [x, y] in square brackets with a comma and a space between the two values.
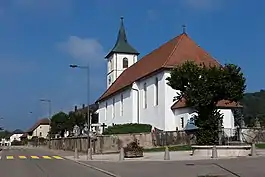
[148, 156]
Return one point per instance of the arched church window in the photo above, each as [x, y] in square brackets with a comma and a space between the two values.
[125, 62]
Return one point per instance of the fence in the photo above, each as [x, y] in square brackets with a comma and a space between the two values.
[112, 143]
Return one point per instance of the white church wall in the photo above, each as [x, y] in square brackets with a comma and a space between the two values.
[186, 114]
[170, 94]
[182, 117]
[116, 113]
[153, 113]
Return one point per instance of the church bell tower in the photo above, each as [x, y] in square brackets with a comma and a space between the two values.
[122, 56]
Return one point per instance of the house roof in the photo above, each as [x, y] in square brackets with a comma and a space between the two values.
[174, 52]
[92, 108]
[18, 131]
[221, 104]
[44, 121]
[122, 45]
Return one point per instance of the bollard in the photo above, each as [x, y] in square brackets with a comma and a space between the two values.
[253, 150]
[214, 152]
[121, 158]
[76, 154]
[166, 155]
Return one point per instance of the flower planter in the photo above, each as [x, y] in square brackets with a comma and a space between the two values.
[133, 154]
[133, 150]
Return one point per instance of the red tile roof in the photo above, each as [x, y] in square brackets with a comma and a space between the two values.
[44, 121]
[174, 52]
[222, 104]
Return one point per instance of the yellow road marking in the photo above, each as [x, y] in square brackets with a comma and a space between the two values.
[46, 157]
[22, 157]
[34, 157]
[9, 157]
[57, 157]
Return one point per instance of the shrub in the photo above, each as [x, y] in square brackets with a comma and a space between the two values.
[127, 128]
[16, 143]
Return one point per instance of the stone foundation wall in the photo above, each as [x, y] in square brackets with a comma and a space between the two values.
[112, 143]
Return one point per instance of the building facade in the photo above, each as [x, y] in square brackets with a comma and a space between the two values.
[139, 92]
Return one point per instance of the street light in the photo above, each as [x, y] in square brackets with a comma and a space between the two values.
[89, 149]
[50, 112]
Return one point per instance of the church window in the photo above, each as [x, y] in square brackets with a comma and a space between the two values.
[113, 108]
[121, 104]
[106, 110]
[125, 62]
[145, 96]
[156, 91]
[111, 65]
[109, 80]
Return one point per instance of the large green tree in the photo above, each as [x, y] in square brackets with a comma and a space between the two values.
[202, 87]
[59, 123]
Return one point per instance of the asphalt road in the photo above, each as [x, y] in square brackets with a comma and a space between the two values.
[238, 167]
[23, 162]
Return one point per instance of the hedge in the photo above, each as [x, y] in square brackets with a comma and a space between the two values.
[127, 128]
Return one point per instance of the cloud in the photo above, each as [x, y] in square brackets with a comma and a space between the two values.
[203, 4]
[83, 49]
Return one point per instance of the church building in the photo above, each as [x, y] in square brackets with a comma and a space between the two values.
[137, 90]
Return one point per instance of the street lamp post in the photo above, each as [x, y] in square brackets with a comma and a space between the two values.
[89, 149]
[50, 112]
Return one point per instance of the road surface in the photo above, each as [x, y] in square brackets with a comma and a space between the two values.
[24, 162]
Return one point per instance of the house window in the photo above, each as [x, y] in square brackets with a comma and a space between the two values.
[182, 122]
[113, 108]
[145, 96]
[121, 104]
[156, 91]
[40, 134]
[125, 62]
[106, 110]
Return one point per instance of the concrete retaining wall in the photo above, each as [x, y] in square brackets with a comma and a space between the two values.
[112, 143]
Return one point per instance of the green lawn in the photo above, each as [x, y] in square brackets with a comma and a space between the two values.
[171, 148]
[260, 146]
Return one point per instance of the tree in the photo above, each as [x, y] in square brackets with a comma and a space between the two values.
[76, 118]
[202, 87]
[59, 123]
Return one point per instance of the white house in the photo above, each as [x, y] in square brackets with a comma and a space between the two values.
[16, 135]
[40, 129]
[137, 91]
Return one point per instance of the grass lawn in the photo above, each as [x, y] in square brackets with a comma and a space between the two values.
[260, 146]
[171, 148]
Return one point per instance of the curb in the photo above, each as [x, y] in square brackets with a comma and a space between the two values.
[95, 168]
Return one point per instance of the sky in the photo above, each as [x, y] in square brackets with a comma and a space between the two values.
[40, 38]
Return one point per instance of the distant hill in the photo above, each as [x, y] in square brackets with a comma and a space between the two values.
[254, 107]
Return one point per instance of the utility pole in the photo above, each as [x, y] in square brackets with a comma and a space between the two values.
[89, 148]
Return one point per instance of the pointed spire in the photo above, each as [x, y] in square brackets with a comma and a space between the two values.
[122, 45]
[184, 29]
[122, 34]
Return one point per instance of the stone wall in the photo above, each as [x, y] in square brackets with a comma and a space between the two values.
[112, 143]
